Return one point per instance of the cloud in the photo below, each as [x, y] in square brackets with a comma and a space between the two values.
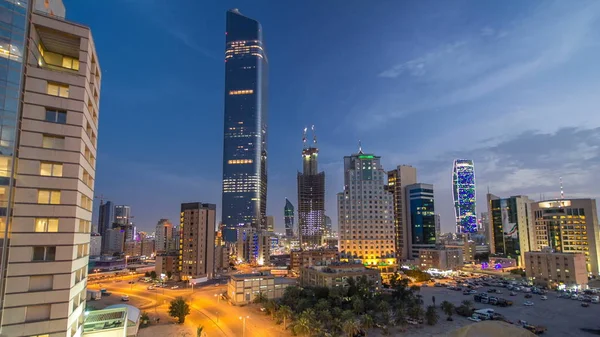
[417, 67]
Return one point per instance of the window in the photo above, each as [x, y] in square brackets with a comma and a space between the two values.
[89, 156]
[46, 225]
[53, 142]
[42, 253]
[85, 226]
[5, 166]
[87, 179]
[70, 63]
[54, 116]
[42, 282]
[57, 89]
[51, 169]
[86, 203]
[36, 313]
[48, 197]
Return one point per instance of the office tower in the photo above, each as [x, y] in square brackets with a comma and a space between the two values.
[105, 217]
[163, 236]
[511, 226]
[122, 214]
[568, 226]
[270, 224]
[288, 216]
[311, 196]
[114, 241]
[397, 180]
[328, 230]
[245, 127]
[51, 88]
[197, 254]
[366, 213]
[438, 228]
[463, 188]
[422, 218]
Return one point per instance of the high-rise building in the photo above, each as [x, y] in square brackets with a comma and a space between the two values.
[438, 228]
[311, 197]
[163, 236]
[463, 188]
[422, 218]
[148, 247]
[105, 217]
[397, 181]
[198, 225]
[95, 244]
[328, 226]
[366, 214]
[288, 217]
[568, 226]
[245, 128]
[270, 224]
[123, 219]
[114, 241]
[511, 226]
[50, 95]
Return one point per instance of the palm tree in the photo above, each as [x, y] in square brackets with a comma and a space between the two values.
[431, 315]
[303, 326]
[260, 297]
[179, 309]
[351, 327]
[367, 323]
[468, 304]
[285, 313]
[271, 307]
[448, 309]
[199, 331]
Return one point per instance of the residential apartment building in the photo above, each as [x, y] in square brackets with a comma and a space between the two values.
[95, 244]
[397, 180]
[548, 268]
[337, 275]
[164, 236]
[243, 288]
[568, 226]
[197, 253]
[253, 245]
[166, 263]
[307, 258]
[442, 259]
[51, 88]
[133, 248]
[148, 247]
[114, 241]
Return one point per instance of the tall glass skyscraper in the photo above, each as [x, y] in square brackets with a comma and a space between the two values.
[422, 218]
[463, 188]
[288, 216]
[245, 128]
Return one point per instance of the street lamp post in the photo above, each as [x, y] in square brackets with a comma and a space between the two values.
[218, 298]
[244, 325]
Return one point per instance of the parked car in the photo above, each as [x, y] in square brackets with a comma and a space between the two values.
[174, 287]
[544, 297]
[512, 293]
[528, 296]
[585, 304]
[528, 303]
[151, 288]
[125, 298]
[474, 319]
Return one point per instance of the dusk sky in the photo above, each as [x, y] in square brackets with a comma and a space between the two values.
[513, 85]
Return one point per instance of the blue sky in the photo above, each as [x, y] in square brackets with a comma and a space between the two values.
[512, 84]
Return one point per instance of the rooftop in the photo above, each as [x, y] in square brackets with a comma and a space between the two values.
[106, 319]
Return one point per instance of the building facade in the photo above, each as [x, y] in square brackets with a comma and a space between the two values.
[95, 244]
[197, 253]
[568, 226]
[51, 92]
[288, 217]
[114, 241]
[148, 247]
[105, 218]
[337, 275]
[164, 236]
[463, 192]
[245, 130]
[366, 214]
[441, 259]
[242, 289]
[270, 224]
[307, 258]
[510, 225]
[397, 181]
[311, 197]
[166, 263]
[422, 218]
[548, 268]
[253, 245]
[132, 248]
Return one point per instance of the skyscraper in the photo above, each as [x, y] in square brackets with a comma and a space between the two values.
[397, 181]
[197, 255]
[164, 236]
[245, 127]
[105, 220]
[288, 217]
[50, 94]
[422, 218]
[366, 214]
[311, 197]
[328, 226]
[463, 188]
[270, 223]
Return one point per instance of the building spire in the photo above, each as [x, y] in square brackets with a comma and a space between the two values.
[304, 138]
[360, 147]
[314, 135]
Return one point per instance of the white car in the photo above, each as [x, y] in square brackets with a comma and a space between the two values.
[474, 319]
[125, 298]
[528, 303]
[174, 287]
[544, 297]
[151, 288]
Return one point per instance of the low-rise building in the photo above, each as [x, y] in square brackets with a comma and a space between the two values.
[307, 258]
[552, 269]
[336, 275]
[442, 259]
[243, 288]
[165, 264]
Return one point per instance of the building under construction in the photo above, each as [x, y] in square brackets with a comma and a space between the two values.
[311, 197]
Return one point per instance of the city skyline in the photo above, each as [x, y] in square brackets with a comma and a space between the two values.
[430, 62]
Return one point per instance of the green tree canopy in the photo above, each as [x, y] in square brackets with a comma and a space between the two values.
[179, 309]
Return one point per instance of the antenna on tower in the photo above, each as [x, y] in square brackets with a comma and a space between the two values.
[359, 147]
[304, 138]
[314, 135]
[562, 192]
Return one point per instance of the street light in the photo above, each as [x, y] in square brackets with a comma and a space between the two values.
[218, 298]
[244, 325]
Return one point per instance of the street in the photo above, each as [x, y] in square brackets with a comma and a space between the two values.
[218, 317]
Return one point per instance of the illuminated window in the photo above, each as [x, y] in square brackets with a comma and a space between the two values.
[241, 92]
[48, 197]
[46, 225]
[56, 89]
[52, 59]
[5, 166]
[240, 161]
[86, 202]
[54, 116]
[53, 142]
[51, 169]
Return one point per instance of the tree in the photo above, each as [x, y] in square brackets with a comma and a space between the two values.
[431, 315]
[153, 275]
[303, 326]
[147, 274]
[448, 309]
[468, 304]
[260, 297]
[285, 313]
[199, 330]
[169, 274]
[351, 327]
[358, 305]
[271, 307]
[179, 309]
[367, 323]
[322, 305]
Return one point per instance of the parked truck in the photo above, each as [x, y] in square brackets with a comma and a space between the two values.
[93, 295]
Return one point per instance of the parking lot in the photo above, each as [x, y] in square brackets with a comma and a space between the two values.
[562, 317]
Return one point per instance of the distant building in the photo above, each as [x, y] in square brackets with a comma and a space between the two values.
[463, 188]
[421, 218]
[253, 246]
[198, 223]
[397, 180]
[568, 226]
[164, 236]
[123, 218]
[105, 219]
[548, 268]
[311, 197]
[242, 289]
[148, 247]
[270, 224]
[438, 228]
[328, 227]
[115, 241]
[307, 258]
[442, 259]
[221, 258]
[331, 276]
[133, 248]
[95, 244]
[288, 216]
[166, 263]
